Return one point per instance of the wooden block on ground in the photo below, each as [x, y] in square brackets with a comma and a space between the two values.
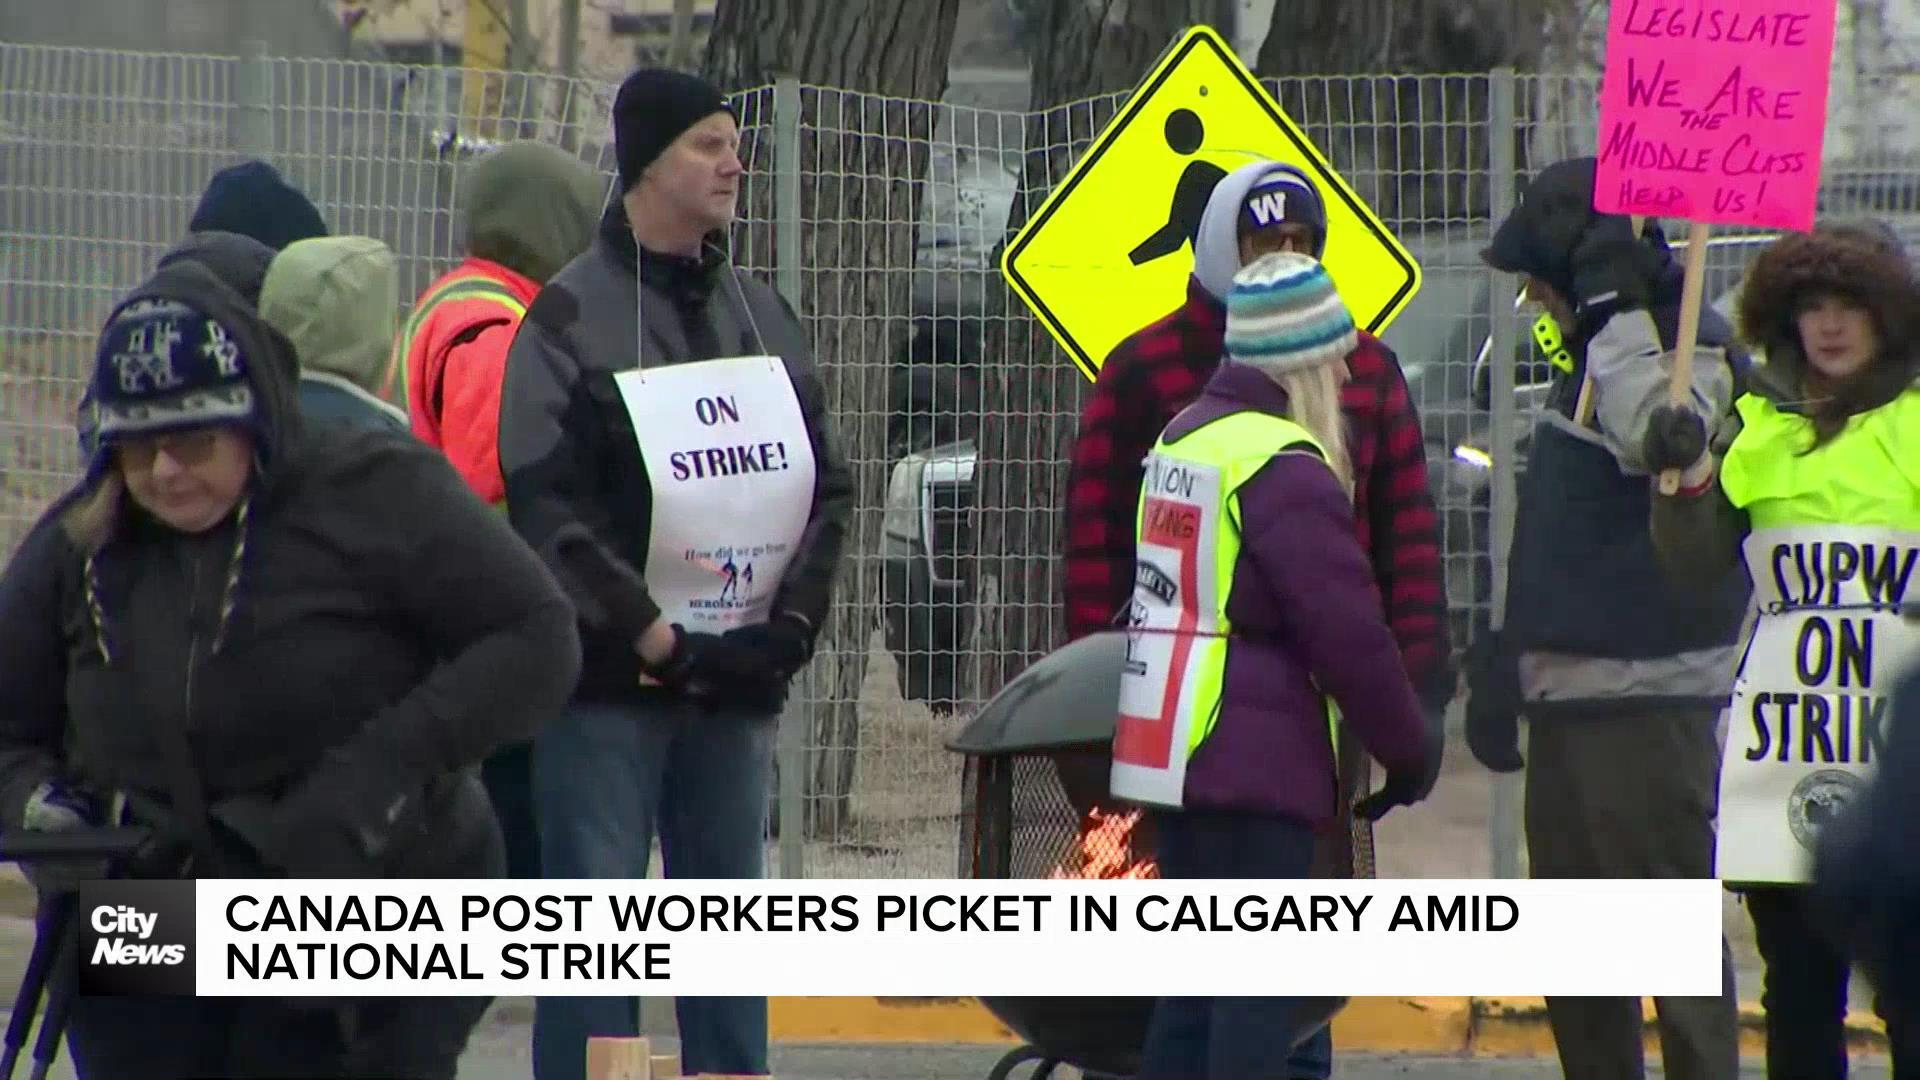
[618, 1059]
[666, 1067]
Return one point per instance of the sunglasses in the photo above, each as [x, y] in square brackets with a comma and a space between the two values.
[187, 448]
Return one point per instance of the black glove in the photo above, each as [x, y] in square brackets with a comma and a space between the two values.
[726, 673]
[341, 821]
[783, 640]
[1407, 788]
[1676, 438]
[1493, 705]
[1613, 271]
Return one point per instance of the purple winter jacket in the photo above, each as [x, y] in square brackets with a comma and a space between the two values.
[1306, 613]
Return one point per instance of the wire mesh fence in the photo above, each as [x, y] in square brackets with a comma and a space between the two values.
[881, 220]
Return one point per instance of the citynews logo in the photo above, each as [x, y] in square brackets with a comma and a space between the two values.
[136, 938]
[120, 950]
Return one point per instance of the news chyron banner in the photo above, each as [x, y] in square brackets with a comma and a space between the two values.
[918, 938]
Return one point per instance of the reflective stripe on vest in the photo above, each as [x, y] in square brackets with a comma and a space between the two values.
[1188, 528]
[472, 286]
[1833, 549]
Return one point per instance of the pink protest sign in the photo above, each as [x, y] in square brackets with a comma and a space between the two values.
[1715, 111]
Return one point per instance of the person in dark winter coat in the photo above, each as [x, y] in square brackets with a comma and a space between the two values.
[1304, 628]
[253, 199]
[345, 631]
[1868, 875]
[1618, 674]
[662, 423]
[1822, 451]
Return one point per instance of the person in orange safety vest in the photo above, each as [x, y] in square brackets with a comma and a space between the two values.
[528, 208]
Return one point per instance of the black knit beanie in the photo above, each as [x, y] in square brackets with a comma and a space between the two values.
[654, 107]
[254, 200]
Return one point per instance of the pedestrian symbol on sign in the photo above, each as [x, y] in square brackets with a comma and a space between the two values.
[1185, 133]
[1099, 259]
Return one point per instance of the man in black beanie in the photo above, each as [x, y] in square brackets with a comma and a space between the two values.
[253, 199]
[665, 446]
[247, 213]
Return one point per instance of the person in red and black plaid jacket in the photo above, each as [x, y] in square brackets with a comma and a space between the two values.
[1159, 370]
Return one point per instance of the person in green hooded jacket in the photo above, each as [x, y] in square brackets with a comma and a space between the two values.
[337, 300]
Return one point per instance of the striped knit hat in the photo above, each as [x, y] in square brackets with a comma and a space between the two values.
[1284, 315]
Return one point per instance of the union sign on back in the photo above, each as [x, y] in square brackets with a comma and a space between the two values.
[1110, 250]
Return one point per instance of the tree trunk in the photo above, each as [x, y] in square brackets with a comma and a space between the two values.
[1408, 131]
[680, 36]
[863, 148]
[1087, 55]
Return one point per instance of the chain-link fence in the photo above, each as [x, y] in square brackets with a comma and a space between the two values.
[881, 220]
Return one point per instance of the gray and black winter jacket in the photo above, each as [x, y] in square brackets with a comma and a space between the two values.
[567, 447]
[1592, 623]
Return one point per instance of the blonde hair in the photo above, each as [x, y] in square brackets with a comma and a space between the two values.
[1313, 402]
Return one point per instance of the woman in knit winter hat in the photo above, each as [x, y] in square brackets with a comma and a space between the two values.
[1285, 318]
[1255, 477]
[283, 652]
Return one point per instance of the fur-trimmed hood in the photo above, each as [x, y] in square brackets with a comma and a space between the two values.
[1863, 262]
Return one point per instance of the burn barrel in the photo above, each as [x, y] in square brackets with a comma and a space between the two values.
[1035, 805]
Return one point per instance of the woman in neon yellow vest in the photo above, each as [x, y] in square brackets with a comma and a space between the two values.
[1817, 484]
[1255, 611]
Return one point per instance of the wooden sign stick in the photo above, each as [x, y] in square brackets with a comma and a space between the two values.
[612, 1058]
[1680, 386]
[1583, 408]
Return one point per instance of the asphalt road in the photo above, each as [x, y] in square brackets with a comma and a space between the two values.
[500, 1054]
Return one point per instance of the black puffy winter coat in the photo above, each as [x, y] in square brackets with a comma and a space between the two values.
[352, 646]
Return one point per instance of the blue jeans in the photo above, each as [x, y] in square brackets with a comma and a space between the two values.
[1239, 1038]
[604, 778]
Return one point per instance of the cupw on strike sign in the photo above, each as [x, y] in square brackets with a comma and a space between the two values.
[1173, 644]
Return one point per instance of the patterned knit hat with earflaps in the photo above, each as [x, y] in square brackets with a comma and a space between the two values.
[1283, 314]
[163, 365]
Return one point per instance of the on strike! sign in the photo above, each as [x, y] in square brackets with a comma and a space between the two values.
[1715, 112]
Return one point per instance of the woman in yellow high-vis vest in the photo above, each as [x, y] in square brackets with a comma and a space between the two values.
[1816, 483]
[1255, 614]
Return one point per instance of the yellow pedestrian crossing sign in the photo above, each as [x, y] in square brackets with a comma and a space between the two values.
[1111, 249]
